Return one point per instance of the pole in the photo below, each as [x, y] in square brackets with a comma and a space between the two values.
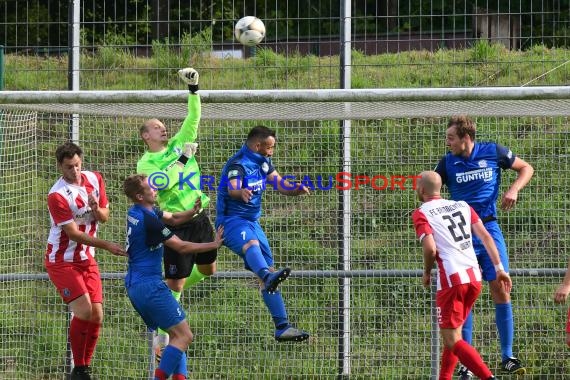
[1, 88]
[345, 199]
[74, 20]
[435, 349]
[1, 67]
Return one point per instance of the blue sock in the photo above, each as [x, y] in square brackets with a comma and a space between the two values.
[181, 368]
[170, 359]
[276, 306]
[255, 261]
[506, 327]
[467, 329]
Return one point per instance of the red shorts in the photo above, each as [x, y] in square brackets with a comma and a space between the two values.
[72, 280]
[568, 322]
[455, 303]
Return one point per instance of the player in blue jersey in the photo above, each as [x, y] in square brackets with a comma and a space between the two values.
[244, 179]
[150, 296]
[472, 173]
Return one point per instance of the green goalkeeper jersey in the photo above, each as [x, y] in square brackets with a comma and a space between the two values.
[183, 186]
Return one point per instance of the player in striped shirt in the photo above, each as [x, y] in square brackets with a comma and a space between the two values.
[445, 230]
[77, 203]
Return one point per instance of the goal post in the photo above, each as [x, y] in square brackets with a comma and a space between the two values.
[394, 134]
[300, 104]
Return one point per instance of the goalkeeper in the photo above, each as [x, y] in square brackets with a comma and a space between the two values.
[165, 162]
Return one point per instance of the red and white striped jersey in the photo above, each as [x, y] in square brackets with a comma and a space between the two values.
[450, 224]
[68, 203]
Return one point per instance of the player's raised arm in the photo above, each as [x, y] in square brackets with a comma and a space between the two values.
[189, 129]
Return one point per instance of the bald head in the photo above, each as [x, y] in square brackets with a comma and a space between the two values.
[147, 125]
[429, 185]
[153, 133]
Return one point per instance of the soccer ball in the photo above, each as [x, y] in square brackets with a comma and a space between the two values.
[249, 30]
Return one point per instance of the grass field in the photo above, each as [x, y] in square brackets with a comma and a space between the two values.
[113, 68]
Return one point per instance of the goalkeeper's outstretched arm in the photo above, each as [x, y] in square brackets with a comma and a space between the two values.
[189, 130]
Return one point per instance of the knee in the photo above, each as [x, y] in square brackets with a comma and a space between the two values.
[84, 312]
[449, 343]
[207, 269]
[97, 318]
[181, 336]
[249, 244]
[450, 337]
[175, 284]
[189, 337]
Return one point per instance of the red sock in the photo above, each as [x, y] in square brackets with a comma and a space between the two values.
[92, 338]
[448, 363]
[471, 359]
[78, 340]
[178, 376]
[160, 374]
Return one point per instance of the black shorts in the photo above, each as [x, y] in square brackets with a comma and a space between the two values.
[198, 230]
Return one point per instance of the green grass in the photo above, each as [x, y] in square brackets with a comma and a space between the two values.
[112, 67]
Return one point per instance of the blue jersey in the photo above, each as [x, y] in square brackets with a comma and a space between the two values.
[145, 236]
[476, 179]
[251, 170]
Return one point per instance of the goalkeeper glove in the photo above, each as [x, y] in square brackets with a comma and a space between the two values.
[190, 149]
[190, 77]
[187, 153]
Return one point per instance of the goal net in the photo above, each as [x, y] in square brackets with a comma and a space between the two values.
[356, 282]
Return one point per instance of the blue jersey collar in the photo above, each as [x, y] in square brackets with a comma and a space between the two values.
[255, 157]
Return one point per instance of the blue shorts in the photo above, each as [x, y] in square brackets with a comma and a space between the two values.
[156, 305]
[238, 231]
[487, 266]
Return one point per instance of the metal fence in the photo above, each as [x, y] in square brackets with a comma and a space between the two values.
[382, 327]
[109, 41]
[369, 316]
